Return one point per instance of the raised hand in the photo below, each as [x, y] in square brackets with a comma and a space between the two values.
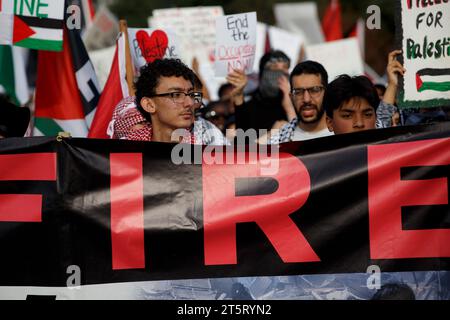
[394, 68]
[239, 80]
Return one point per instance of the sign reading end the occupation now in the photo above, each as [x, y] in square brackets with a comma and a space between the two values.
[235, 43]
[425, 27]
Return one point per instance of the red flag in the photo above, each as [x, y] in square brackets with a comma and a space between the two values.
[91, 9]
[268, 45]
[58, 101]
[115, 89]
[332, 21]
[67, 89]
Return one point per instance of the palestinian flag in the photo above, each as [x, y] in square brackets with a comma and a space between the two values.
[13, 79]
[23, 24]
[67, 90]
[433, 79]
[13, 30]
[116, 88]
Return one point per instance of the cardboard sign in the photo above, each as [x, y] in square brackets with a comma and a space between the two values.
[103, 31]
[148, 45]
[261, 38]
[301, 19]
[288, 42]
[338, 57]
[196, 31]
[195, 28]
[424, 30]
[235, 43]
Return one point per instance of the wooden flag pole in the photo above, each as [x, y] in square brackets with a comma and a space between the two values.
[128, 62]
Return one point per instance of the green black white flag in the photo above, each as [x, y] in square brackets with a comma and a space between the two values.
[35, 24]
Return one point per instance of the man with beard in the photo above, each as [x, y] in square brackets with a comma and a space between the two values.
[308, 81]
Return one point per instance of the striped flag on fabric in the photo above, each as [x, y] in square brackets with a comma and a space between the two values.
[67, 90]
[13, 29]
[32, 24]
[116, 88]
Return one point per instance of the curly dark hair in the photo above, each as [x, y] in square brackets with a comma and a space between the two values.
[310, 67]
[151, 73]
[344, 87]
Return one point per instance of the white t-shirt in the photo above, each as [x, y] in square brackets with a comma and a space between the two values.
[301, 135]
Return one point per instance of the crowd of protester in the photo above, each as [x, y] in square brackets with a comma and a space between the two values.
[170, 105]
[301, 105]
[285, 107]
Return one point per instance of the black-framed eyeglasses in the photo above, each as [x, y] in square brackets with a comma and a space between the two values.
[179, 96]
[313, 91]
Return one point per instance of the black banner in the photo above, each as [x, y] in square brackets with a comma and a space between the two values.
[124, 211]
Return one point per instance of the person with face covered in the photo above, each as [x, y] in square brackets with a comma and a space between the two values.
[270, 102]
[309, 81]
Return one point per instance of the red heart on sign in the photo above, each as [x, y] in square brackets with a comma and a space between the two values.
[152, 47]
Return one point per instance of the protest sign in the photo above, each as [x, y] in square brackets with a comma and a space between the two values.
[338, 57]
[148, 45]
[300, 18]
[286, 41]
[235, 43]
[102, 32]
[195, 28]
[261, 39]
[423, 32]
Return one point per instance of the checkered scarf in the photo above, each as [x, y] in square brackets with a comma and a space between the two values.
[285, 134]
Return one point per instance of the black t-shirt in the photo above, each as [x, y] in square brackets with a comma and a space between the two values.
[259, 112]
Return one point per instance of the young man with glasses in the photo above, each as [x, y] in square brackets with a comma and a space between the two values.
[165, 101]
[308, 81]
[168, 94]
